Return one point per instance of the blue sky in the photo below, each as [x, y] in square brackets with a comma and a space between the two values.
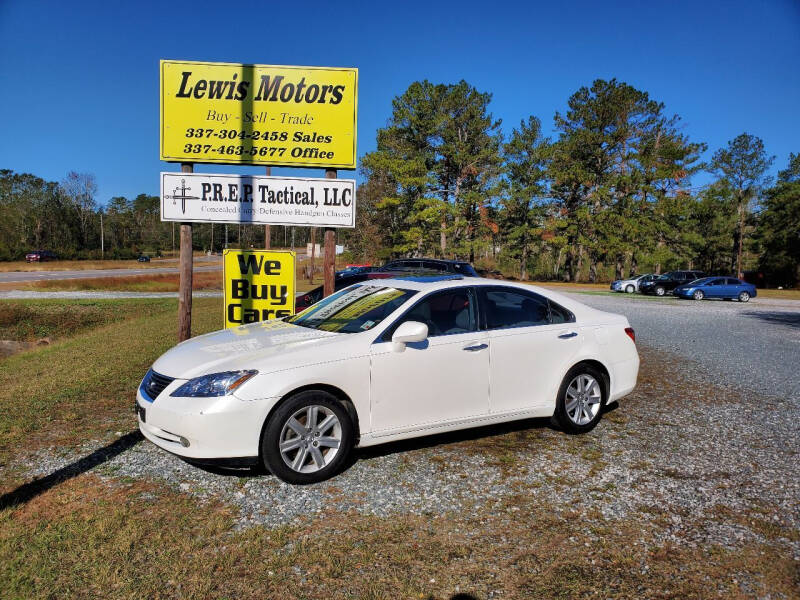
[79, 80]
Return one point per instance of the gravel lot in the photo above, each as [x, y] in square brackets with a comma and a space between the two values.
[696, 443]
[753, 346]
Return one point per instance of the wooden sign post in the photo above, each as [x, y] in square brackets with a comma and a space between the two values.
[186, 271]
[329, 262]
[268, 172]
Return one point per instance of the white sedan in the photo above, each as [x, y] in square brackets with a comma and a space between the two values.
[631, 285]
[381, 361]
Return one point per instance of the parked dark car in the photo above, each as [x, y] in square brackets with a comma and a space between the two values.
[353, 269]
[669, 281]
[304, 300]
[456, 267]
[726, 288]
[143, 258]
[402, 267]
[40, 256]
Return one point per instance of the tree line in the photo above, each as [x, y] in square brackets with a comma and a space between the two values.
[66, 218]
[609, 195]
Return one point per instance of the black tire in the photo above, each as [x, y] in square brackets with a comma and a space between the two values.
[660, 291]
[561, 416]
[630, 289]
[271, 453]
[744, 297]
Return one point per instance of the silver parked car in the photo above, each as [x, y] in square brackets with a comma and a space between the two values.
[631, 285]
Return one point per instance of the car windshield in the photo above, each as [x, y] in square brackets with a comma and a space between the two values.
[354, 309]
[701, 281]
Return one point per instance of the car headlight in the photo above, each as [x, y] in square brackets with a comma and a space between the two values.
[214, 384]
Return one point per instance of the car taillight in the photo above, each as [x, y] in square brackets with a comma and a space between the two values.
[631, 333]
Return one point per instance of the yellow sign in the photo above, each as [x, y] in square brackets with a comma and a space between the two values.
[258, 114]
[259, 285]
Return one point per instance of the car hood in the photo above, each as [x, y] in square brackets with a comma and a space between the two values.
[266, 346]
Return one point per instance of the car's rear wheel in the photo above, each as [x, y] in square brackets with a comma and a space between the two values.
[581, 398]
[698, 295]
[308, 438]
[660, 291]
[630, 289]
[744, 297]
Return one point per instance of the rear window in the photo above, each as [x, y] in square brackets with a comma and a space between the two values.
[465, 269]
[559, 314]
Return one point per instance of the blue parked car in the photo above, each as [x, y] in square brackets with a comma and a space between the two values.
[727, 288]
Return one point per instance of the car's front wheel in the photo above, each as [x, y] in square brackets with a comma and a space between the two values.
[630, 289]
[744, 297]
[660, 291]
[698, 295]
[308, 438]
[580, 401]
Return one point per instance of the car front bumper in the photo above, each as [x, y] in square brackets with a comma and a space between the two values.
[203, 428]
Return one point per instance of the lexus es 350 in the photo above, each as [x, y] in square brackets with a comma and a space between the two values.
[381, 361]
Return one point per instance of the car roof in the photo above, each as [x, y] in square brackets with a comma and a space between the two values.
[439, 260]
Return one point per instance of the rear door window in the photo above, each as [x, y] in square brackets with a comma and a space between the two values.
[431, 265]
[507, 308]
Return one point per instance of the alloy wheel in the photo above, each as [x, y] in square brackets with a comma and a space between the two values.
[698, 295]
[583, 399]
[310, 439]
[660, 291]
[744, 297]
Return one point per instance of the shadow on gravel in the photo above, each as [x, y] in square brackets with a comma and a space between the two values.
[792, 319]
[29, 491]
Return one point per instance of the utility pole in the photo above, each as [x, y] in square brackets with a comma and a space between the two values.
[102, 240]
[329, 261]
[186, 266]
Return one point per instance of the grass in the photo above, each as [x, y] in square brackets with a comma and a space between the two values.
[85, 385]
[82, 265]
[91, 538]
[29, 320]
[158, 282]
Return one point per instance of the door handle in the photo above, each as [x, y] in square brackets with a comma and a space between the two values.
[475, 348]
[566, 336]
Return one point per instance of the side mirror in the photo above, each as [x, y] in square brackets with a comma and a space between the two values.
[410, 331]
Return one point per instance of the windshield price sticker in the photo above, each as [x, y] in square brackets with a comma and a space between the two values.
[258, 114]
[338, 301]
[259, 285]
[361, 307]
